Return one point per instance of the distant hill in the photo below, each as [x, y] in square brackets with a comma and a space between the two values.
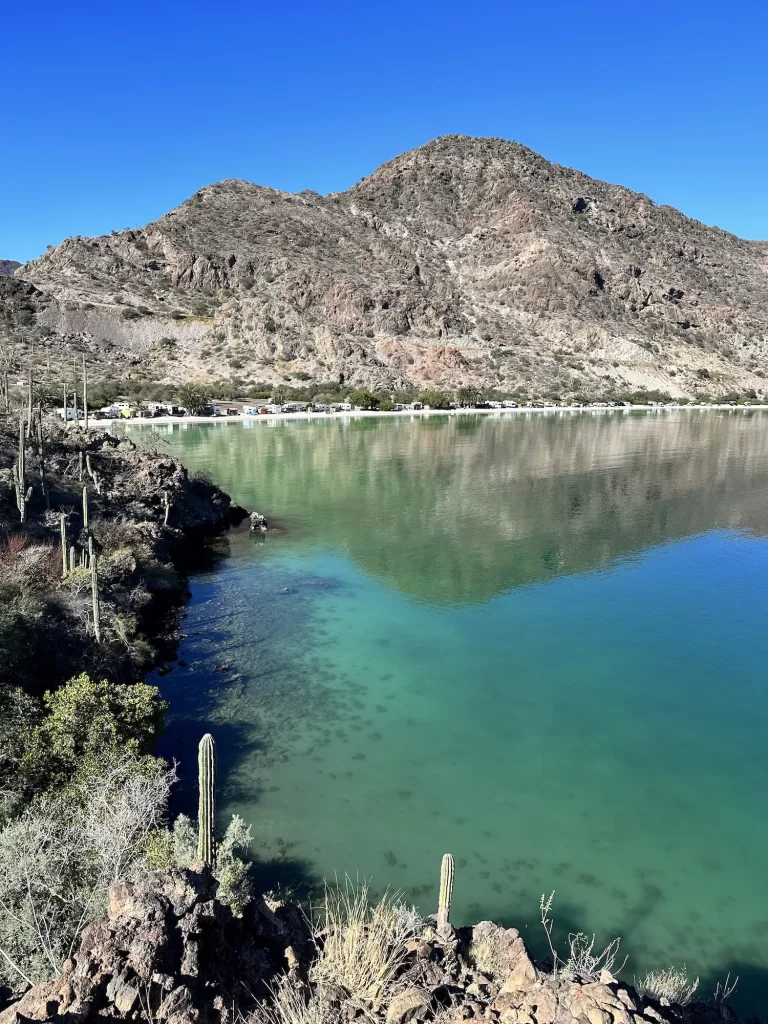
[465, 260]
[7, 267]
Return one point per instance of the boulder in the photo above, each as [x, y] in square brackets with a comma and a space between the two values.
[412, 1004]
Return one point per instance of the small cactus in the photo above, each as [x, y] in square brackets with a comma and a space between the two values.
[447, 871]
[206, 764]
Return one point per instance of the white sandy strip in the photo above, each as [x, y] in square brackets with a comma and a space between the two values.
[413, 413]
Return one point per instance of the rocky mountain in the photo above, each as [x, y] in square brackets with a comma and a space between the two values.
[465, 260]
[7, 267]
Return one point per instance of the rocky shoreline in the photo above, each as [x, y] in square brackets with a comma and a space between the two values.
[169, 950]
[145, 516]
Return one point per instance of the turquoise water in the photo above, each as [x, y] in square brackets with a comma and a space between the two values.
[537, 642]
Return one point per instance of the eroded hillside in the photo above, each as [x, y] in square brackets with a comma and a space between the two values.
[466, 260]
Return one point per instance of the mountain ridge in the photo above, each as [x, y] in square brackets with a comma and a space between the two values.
[463, 261]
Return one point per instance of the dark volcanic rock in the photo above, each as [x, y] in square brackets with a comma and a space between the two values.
[168, 950]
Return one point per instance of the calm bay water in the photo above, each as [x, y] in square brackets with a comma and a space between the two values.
[537, 642]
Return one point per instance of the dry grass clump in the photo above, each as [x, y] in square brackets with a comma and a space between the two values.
[290, 1005]
[360, 951]
[671, 986]
[362, 948]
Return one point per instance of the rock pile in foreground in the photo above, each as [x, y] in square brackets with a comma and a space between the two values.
[169, 951]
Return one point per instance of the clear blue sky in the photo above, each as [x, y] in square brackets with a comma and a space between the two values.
[112, 113]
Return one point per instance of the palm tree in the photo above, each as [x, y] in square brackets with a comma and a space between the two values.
[45, 396]
[193, 398]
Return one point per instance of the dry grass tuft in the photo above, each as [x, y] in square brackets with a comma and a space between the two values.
[361, 947]
[671, 985]
[290, 1005]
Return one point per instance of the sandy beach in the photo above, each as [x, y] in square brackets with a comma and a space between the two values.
[362, 413]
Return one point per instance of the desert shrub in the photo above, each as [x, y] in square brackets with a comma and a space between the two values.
[671, 985]
[584, 964]
[113, 535]
[21, 712]
[58, 859]
[177, 847]
[159, 576]
[27, 565]
[202, 476]
[87, 723]
[37, 639]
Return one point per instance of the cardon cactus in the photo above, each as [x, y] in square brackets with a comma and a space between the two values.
[63, 523]
[206, 765]
[446, 891]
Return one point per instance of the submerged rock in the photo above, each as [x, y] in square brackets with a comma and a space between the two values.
[258, 522]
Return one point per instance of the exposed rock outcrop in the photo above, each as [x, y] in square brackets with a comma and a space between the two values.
[169, 951]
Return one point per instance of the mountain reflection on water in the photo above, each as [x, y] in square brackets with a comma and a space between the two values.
[459, 509]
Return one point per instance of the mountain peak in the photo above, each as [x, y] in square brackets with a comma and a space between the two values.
[463, 260]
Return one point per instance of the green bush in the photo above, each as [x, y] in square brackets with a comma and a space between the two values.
[86, 722]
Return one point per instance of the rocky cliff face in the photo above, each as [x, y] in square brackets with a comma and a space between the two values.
[170, 951]
[464, 260]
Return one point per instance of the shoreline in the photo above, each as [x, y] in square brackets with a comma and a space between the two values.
[363, 413]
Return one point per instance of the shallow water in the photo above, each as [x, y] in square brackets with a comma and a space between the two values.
[537, 642]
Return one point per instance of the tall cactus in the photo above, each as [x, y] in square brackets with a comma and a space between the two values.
[23, 494]
[206, 765]
[95, 591]
[447, 872]
[85, 393]
[29, 404]
[63, 544]
[41, 457]
[85, 508]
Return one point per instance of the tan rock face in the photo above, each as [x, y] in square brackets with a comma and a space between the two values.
[466, 260]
